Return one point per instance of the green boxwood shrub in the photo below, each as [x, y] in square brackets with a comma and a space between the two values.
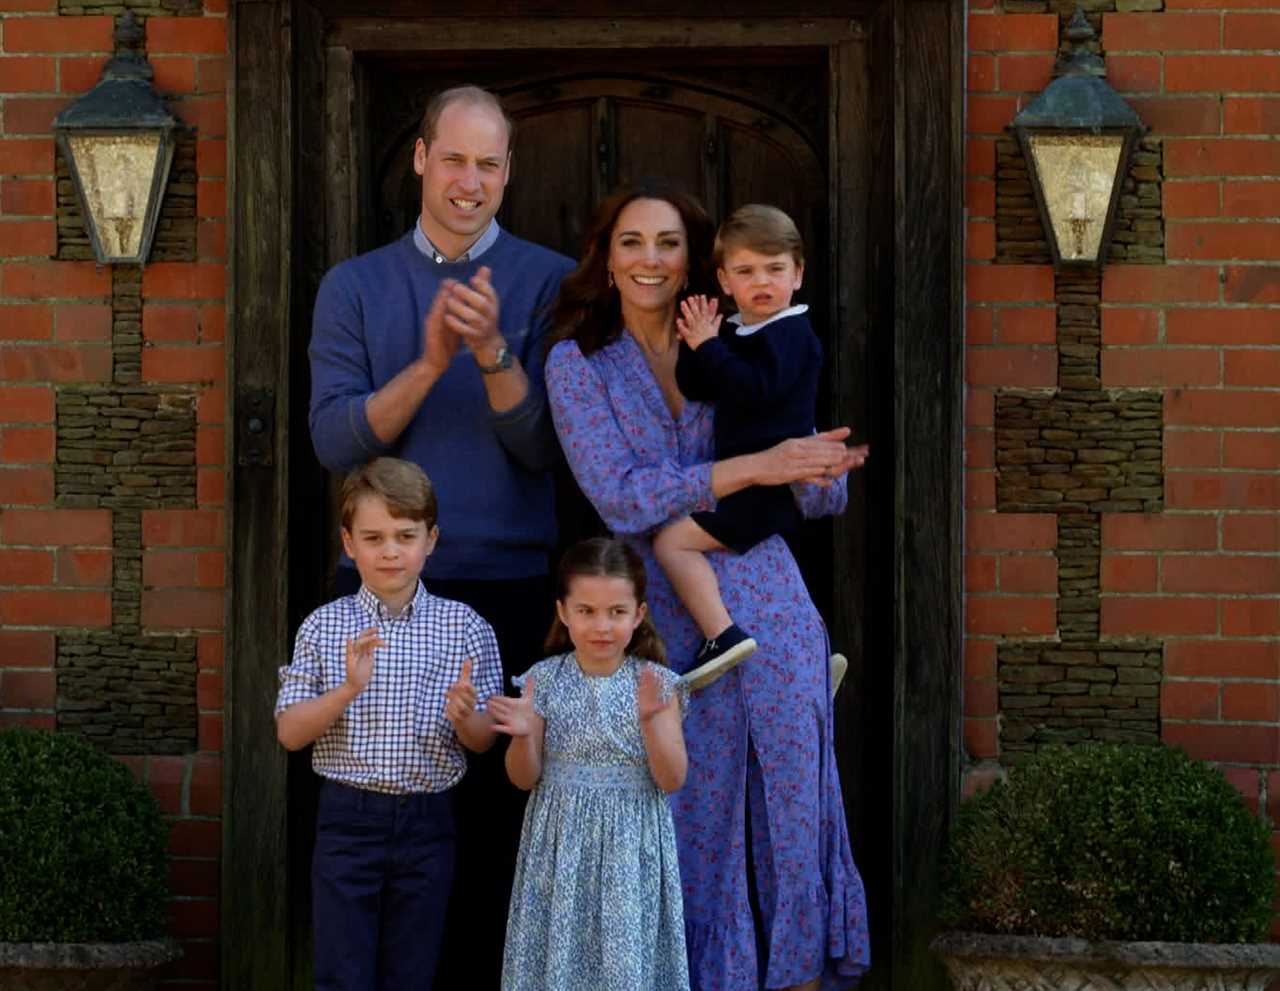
[82, 845]
[1110, 843]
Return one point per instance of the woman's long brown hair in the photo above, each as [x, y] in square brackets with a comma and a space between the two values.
[588, 310]
[605, 557]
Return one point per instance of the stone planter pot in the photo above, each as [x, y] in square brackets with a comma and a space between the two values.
[84, 966]
[978, 962]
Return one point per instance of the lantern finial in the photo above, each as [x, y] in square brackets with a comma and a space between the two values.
[1080, 60]
[128, 34]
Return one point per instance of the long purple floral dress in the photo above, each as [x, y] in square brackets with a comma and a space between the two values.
[763, 792]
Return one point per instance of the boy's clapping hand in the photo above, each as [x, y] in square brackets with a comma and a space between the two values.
[515, 717]
[360, 658]
[699, 320]
[474, 728]
[460, 699]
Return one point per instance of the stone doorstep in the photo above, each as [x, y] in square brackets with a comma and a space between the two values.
[979, 961]
[85, 966]
[139, 955]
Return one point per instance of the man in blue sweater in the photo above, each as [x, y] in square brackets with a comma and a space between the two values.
[431, 349]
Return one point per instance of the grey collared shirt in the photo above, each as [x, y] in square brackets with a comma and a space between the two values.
[478, 247]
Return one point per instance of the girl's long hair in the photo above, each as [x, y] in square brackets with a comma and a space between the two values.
[605, 557]
[588, 310]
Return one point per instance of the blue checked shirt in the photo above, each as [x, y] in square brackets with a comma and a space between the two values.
[394, 736]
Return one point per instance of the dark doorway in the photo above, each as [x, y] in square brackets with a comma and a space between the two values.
[843, 112]
[730, 133]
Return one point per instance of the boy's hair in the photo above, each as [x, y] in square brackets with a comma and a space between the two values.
[766, 230]
[401, 485]
[473, 95]
[604, 557]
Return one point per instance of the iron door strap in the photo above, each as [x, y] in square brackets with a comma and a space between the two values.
[255, 428]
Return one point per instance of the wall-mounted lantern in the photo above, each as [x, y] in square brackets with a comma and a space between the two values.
[1077, 137]
[118, 142]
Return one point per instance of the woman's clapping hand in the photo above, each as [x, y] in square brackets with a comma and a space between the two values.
[819, 459]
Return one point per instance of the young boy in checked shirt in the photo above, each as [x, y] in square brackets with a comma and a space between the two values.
[390, 684]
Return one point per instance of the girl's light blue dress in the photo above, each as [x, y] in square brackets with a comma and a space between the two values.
[596, 904]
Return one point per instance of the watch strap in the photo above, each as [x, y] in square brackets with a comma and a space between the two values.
[502, 360]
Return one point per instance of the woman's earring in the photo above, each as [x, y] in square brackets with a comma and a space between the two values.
[686, 284]
[610, 271]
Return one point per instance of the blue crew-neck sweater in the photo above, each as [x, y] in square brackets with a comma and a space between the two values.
[491, 471]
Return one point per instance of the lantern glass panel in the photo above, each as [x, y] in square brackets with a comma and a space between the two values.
[1077, 175]
[116, 174]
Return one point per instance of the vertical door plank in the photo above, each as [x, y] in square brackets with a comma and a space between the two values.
[552, 169]
[863, 771]
[929, 475]
[255, 891]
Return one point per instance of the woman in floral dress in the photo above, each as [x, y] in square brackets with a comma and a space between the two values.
[772, 898]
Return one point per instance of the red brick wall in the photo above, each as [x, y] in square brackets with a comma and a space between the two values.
[1203, 575]
[55, 328]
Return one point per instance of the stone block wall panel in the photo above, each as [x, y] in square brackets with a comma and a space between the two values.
[127, 448]
[1078, 451]
[140, 8]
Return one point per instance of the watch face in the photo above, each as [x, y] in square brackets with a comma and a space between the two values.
[502, 359]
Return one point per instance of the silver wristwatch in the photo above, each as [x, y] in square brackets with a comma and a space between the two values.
[502, 360]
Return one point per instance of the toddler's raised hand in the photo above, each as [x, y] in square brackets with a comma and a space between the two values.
[699, 320]
[460, 699]
[360, 658]
[649, 700]
[515, 717]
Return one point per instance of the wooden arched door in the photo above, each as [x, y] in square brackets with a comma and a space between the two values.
[578, 138]
[849, 114]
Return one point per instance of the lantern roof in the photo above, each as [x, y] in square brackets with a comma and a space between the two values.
[1079, 98]
[124, 98]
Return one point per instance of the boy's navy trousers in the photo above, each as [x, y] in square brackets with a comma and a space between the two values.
[380, 878]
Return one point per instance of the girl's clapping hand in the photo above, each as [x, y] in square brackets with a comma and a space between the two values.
[515, 717]
[660, 727]
[648, 694]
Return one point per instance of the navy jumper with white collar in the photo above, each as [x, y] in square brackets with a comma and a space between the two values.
[763, 380]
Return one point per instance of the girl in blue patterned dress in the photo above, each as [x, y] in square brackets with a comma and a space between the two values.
[596, 735]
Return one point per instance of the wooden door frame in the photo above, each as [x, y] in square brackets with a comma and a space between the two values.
[898, 251]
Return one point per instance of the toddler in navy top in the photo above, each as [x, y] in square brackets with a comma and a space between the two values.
[760, 367]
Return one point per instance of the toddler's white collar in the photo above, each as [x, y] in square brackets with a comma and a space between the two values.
[790, 311]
